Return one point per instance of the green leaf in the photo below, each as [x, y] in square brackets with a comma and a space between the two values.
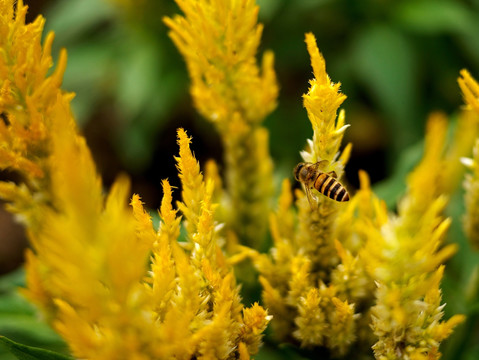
[435, 17]
[77, 18]
[12, 280]
[386, 65]
[24, 352]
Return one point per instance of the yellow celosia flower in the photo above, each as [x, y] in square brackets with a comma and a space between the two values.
[404, 258]
[27, 96]
[229, 90]
[470, 90]
[88, 269]
[322, 101]
[471, 184]
[338, 267]
[296, 277]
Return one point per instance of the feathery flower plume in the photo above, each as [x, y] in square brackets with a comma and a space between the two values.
[336, 269]
[230, 90]
[404, 257]
[89, 268]
[316, 233]
[308, 308]
[470, 91]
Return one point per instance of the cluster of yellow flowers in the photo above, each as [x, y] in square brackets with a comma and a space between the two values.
[343, 276]
[229, 90]
[108, 283]
[470, 90]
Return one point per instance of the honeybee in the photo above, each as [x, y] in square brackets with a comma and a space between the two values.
[312, 177]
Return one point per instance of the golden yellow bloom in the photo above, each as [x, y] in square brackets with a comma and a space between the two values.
[470, 90]
[298, 286]
[27, 97]
[339, 269]
[471, 198]
[315, 235]
[89, 268]
[229, 90]
[404, 257]
[322, 103]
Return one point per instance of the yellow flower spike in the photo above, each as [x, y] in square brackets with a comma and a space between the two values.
[212, 172]
[255, 320]
[276, 305]
[311, 321]
[425, 183]
[285, 212]
[471, 197]
[300, 281]
[163, 272]
[465, 135]
[88, 269]
[322, 102]
[470, 90]
[315, 235]
[403, 256]
[343, 326]
[26, 93]
[76, 330]
[230, 90]
[193, 187]
[143, 220]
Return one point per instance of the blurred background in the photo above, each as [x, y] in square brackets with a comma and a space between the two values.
[397, 61]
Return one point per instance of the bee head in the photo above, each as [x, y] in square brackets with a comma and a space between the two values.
[297, 171]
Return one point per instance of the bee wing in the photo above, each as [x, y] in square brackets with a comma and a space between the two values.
[311, 199]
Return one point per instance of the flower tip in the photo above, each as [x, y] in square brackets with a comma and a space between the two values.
[135, 200]
[364, 179]
[317, 60]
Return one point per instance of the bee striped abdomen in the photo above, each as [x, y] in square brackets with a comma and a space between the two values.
[330, 187]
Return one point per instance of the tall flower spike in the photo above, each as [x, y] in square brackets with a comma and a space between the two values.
[297, 275]
[470, 90]
[230, 90]
[27, 96]
[404, 257]
[322, 102]
[88, 269]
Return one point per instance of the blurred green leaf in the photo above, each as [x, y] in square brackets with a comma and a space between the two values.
[385, 63]
[23, 352]
[13, 303]
[75, 18]
[19, 319]
[435, 17]
[89, 75]
[12, 280]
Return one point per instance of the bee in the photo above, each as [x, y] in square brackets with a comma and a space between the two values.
[312, 177]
